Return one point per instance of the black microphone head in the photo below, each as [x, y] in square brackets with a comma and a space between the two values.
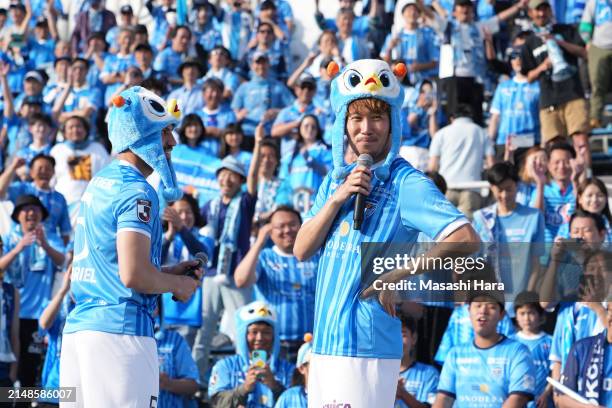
[202, 258]
[365, 160]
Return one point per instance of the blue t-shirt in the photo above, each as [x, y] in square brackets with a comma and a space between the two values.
[294, 397]
[397, 210]
[460, 331]
[17, 132]
[117, 199]
[195, 170]
[29, 152]
[420, 380]
[289, 114]
[485, 378]
[176, 361]
[189, 100]
[517, 103]
[167, 63]
[558, 207]
[230, 372]
[220, 119]
[257, 96]
[289, 286]
[114, 63]
[584, 372]
[539, 346]
[420, 46]
[41, 53]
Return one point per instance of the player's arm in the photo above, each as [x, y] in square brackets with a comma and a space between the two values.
[9, 173]
[564, 401]
[313, 232]
[50, 313]
[181, 386]
[443, 401]
[138, 273]
[245, 275]
[516, 401]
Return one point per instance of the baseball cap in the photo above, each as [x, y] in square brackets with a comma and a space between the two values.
[260, 54]
[126, 9]
[34, 75]
[534, 4]
[306, 80]
[232, 164]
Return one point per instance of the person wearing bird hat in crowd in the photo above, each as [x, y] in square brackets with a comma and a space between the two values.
[295, 397]
[357, 345]
[109, 352]
[255, 376]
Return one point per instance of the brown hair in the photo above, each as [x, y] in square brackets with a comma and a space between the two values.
[524, 171]
[369, 105]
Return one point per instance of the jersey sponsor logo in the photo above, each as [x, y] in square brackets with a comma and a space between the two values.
[335, 404]
[143, 210]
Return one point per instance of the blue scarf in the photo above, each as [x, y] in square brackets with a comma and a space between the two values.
[453, 36]
[594, 358]
[82, 145]
[228, 239]
[266, 199]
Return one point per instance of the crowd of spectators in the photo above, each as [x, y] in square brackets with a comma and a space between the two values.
[503, 91]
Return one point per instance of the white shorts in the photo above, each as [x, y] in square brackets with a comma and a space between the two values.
[335, 381]
[110, 370]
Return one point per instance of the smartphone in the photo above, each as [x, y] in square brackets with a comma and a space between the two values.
[259, 358]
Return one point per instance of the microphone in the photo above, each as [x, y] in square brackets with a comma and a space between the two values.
[366, 161]
[202, 259]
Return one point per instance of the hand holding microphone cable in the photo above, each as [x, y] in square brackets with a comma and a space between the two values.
[202, 259]
[364, 160]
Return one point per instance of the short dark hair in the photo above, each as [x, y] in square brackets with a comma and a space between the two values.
[153, 84]
[80, 59]
[463, 110]
[213, 83]
[501, 172]
[600, 224]
[195, 208]
[176, 29]
[42, 156]
[189, 120]
[528, 298]
[286, 208]
[40, 117]
[438, 180]
[143, 47]
[408, 322]
[267, 5]
[561, 146]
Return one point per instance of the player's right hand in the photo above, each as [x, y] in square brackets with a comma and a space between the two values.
[358, 181]
[185, 287]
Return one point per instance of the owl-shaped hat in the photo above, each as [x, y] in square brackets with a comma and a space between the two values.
[255, 312]
[137, 118]
[368, 78]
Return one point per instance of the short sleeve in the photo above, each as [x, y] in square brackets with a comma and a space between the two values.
[385, 46]
[322, 196]
[64, 220]
[539, 235]
[430, 386]
[424, 208]
[282, 117]
[185, 365]
[220, 378]
[522, 373]
[435, 149]
[496, 105]
[238, 99]
[446, 344]
[448, 376]
[134, 210]
[555, 347]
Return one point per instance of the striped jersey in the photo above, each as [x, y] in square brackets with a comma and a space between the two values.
[558, 207]
[517, 103]
[117, 199]
[460, 331]
[539, 346]
[396, 211]
[485, 378]
[294, 397]
[289, 286]
[420, 380]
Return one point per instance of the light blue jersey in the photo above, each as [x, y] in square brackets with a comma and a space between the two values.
[195, 170]
[516, 102]
[420, 380]
[396, 211]
[485, 378]
[460, 331]
[289, 286]
[114, 63]
[117, 199]
[558, 207]
[175, 360]
[420, 46]
[539, 346]
[523, 231]
[294, 397]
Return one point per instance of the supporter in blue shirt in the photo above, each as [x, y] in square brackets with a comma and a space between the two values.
[513, 233]
[194, 163]
[556, 198]
[534, 165]
[33, 85]
[515, 109]
[189, 95]
[143, 54]
[306, 165]
[279, 13]
[265, 42]
[261, 98]
[215, 115]
[41, 129]
[204, 28]
[115, 65]
[182, 241]
[413, 45]
[588, 370]
[360, 26]
[96, 53]
[236, 23]
[126, 20]
[167, 62]
[161, 25]
[232, 140]
[245, 379]
[30, 262]
[42, 45]
[272, 190]
[295, 397]
[529, 318]
[490, 371]
[51, 323]
[287, 284]
[218, 61]
[351, 46]
[42, 169]
[418, 382]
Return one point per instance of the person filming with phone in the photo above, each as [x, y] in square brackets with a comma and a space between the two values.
[255, 376]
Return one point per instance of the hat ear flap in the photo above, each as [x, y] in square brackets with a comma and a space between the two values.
[332, 69]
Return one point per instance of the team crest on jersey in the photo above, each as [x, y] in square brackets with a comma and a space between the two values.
[370, 207]
[143, 210]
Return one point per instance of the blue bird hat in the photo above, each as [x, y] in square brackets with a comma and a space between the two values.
[137, 118]
[363, 79]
